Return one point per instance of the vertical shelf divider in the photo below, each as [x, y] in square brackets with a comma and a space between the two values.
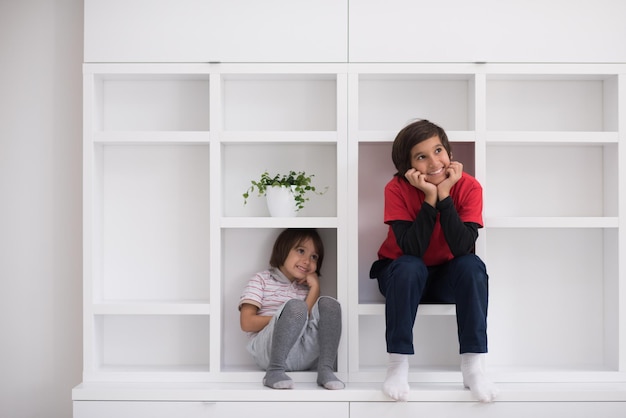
[88, 225]
[620, 315]
[342, 214]
[479, 85]
[353, 220]
[215, 135]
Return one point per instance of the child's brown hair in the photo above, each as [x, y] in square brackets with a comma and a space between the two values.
[409, 136]
[291, 238]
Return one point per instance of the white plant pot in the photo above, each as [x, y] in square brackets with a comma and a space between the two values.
[281, 201]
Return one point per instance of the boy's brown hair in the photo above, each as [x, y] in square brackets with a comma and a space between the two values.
[408, 137]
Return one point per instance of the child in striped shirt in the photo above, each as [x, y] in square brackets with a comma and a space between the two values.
[292, 328]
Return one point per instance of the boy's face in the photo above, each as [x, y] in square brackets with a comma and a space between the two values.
[429, 157]
[301, 261]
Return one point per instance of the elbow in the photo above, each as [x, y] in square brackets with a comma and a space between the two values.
[249, 325]
[244, 325]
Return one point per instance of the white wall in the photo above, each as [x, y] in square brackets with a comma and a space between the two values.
[40, 206]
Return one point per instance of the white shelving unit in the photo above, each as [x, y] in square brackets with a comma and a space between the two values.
[169, 150]
[544, 140]
[169, 245]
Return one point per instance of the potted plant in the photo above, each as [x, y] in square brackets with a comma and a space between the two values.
[285, 193]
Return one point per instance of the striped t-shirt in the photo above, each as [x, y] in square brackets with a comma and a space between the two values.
[269, 290]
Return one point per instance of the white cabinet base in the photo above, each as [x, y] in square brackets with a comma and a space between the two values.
[494, 410]
[358, 400]
[152, 409]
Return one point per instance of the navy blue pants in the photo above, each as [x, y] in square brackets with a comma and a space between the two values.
[407, 281]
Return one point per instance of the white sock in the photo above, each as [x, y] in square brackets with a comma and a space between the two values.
[396, 384]
[474, 377]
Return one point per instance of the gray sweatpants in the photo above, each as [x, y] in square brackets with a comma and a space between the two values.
[302, 356]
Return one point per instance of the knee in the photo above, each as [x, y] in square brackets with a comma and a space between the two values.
[329, 306]
[403, 275]
[473, 268]
[409, 266]
[409, 270]
[295, 308]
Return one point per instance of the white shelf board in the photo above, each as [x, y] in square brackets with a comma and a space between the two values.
[151, 308]
[278, 71]
[175, 375]
[354, 392]
[550, 138]
[423, 309]
[276, 222]
[279, 136]
[146, 137]
[551, 222]
[389, 136]
[427, 71]
[122, 69]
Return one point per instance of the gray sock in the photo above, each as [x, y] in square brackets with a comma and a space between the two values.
[287, 328]
[329, 335]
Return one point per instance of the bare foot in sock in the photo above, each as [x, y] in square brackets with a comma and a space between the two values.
[327, 379]
[474, 377]
[396, 384]
[278, 380]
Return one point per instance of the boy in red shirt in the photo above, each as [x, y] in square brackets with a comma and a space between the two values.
[434, 211]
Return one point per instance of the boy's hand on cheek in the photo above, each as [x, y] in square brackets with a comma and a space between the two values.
[455, 170]
[418, 180]
[454, 173]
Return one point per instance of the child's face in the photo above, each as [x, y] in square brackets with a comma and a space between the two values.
[301, 261]
[429, 157]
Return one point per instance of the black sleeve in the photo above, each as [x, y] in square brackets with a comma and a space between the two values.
[413, 237]
[461, 237]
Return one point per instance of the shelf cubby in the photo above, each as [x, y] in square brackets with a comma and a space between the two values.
[151, 102]
[375, 170]
[389, 101]
[551, 180]
[560, 306]
[244, 253]
[279, 102]
[152, 343]
[551, 102]
[435, 341]
[243, 162]
[151, 222]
